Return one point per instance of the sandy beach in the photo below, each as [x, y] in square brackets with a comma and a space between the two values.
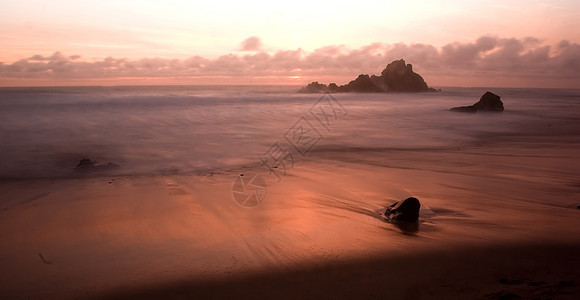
[317, 234]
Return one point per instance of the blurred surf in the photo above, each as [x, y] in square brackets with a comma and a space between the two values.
[147, 130]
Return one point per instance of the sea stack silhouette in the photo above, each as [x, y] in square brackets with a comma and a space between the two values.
[488, 102]
[398, 76]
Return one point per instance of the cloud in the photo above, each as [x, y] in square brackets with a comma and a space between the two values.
[486, 58]
[252, 43]
[467, 54]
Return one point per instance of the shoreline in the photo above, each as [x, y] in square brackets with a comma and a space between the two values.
[175, 235]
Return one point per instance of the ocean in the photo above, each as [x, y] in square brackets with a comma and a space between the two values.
[148, 130]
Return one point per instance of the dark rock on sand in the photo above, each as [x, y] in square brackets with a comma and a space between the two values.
[404, 211]
[488, 102]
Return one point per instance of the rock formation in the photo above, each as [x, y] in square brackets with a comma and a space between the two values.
[488, 102]
[399, 77]
[404, 211]
[87, 163]
[362, 84]
[314, 87]
[396, 77]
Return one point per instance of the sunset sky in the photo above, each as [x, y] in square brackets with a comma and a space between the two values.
[523, 43]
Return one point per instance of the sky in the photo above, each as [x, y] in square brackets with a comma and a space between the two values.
[521, 43]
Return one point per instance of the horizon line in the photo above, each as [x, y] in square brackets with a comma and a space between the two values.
[272, 85]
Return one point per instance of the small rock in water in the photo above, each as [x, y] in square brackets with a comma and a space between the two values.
[86, 163]
[404, 211]
[488, 102]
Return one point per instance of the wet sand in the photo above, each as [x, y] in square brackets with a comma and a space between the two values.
[495, 221]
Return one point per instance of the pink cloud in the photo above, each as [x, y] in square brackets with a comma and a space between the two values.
[485, 58]
[252, 43]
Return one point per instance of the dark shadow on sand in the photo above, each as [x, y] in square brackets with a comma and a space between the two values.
[457, 273]
[407, 228]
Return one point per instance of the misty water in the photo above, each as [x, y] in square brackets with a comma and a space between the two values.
[44, 132]
[169, 212]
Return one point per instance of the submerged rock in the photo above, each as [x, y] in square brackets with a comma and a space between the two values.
[87, 163]
[404, 211]
[488, 102]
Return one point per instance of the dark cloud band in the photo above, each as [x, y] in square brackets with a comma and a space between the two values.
[508, 57]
